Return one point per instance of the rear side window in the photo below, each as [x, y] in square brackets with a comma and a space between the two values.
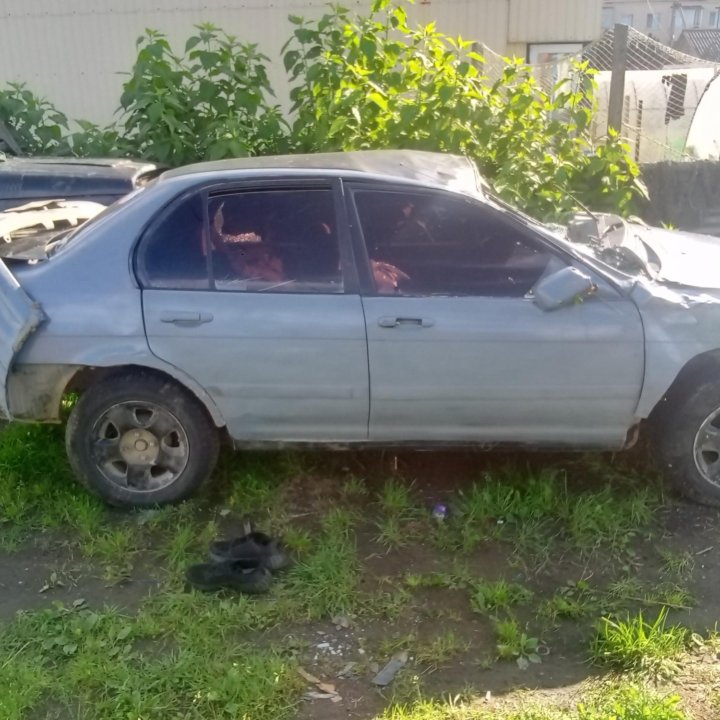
[275, 241]
[173, 254]
[441, 244]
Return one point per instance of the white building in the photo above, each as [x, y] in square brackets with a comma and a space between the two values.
[73, 51]
[663, 20]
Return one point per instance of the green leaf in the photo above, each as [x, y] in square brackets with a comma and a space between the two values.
[379, 100]
[191, 43]
[290, 59]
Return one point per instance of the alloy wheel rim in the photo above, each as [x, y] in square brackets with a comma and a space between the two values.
[139, 446]
[706, 448]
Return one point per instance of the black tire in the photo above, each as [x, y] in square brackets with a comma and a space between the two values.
[682, 428]
[138, 440]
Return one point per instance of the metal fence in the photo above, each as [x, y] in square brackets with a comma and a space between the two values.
[666, 95]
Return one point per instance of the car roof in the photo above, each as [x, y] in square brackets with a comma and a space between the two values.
[439, 169]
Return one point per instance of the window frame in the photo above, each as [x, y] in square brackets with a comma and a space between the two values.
[653, 21]
[348, 264]
[367, 283]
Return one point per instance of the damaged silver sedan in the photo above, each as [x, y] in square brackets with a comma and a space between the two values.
[379, 298]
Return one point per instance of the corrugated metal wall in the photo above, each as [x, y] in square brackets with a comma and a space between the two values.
[72, 51]
[538, 21]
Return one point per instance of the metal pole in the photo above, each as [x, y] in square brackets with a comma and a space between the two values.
[617, 80]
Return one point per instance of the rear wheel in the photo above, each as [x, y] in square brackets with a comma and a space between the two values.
[138, 440]
[688, 442]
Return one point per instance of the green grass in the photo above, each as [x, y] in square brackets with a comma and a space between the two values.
[325, 581]
[398, 515]
[636, 645]
[37, 488]
[440, 650]
[624, 701]
[534, 509]
[490, 597]
[631, 702]
[91, 664]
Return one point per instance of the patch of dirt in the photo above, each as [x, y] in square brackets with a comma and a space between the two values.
[430, 612]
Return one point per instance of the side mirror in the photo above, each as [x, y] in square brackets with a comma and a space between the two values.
[562, 288]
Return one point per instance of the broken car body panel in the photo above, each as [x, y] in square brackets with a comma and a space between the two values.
[19, 316]
[663, 327]
[103, 180]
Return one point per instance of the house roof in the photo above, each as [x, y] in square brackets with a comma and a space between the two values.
[703, 43]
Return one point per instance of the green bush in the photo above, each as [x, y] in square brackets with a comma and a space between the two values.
[37, 125]
[357, 82]
[374, 81]
[209, 103]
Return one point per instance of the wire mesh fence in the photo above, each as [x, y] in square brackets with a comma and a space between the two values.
[668, 109]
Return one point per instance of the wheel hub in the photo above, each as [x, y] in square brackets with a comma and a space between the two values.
[706, 448]
[139, 447]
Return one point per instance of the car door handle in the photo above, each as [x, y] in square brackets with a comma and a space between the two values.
[391, 322]
[185, 318]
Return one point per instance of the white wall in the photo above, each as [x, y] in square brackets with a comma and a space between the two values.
[72, 51]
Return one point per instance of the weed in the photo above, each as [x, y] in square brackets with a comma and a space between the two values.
[37, 488]
[325, 580]
[515, 644]
[678, 564]
[391, 534]
[396, 499]
[254, 480]
[437, 652]
[666, 594]
[489, 597]
[608, 519]
[635, 645]
[385, 604]
[297, 540]
[631, 702]
[573, 601]
[531, 509]
[353, 488]
[458, 580]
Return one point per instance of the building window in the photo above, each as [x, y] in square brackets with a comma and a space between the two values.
[626, 19]
[696, 16]
[714, 19]
[608, 17]
[653, 21]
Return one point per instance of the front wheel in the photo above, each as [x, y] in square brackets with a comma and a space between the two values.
[688, 442]
[138, 440]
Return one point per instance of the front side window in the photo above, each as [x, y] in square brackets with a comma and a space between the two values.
[275, 241]
[441, 244]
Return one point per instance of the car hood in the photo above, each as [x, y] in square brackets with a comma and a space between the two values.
[27, 231]
[666, 256]
[24, 178]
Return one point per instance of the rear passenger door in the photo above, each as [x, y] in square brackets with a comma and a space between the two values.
[251, 291]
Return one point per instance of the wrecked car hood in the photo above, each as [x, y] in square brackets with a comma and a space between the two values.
[26, 230]
[23, 179]
[667, 256]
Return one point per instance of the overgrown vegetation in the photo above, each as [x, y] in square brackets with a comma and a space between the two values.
[357, 82]
[496, 605]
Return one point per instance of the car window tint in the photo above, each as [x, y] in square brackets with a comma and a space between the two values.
[439, 244]
[275, 241]
[172, 253]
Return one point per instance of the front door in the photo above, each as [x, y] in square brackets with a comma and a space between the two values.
[247, 291]
[458, 350]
